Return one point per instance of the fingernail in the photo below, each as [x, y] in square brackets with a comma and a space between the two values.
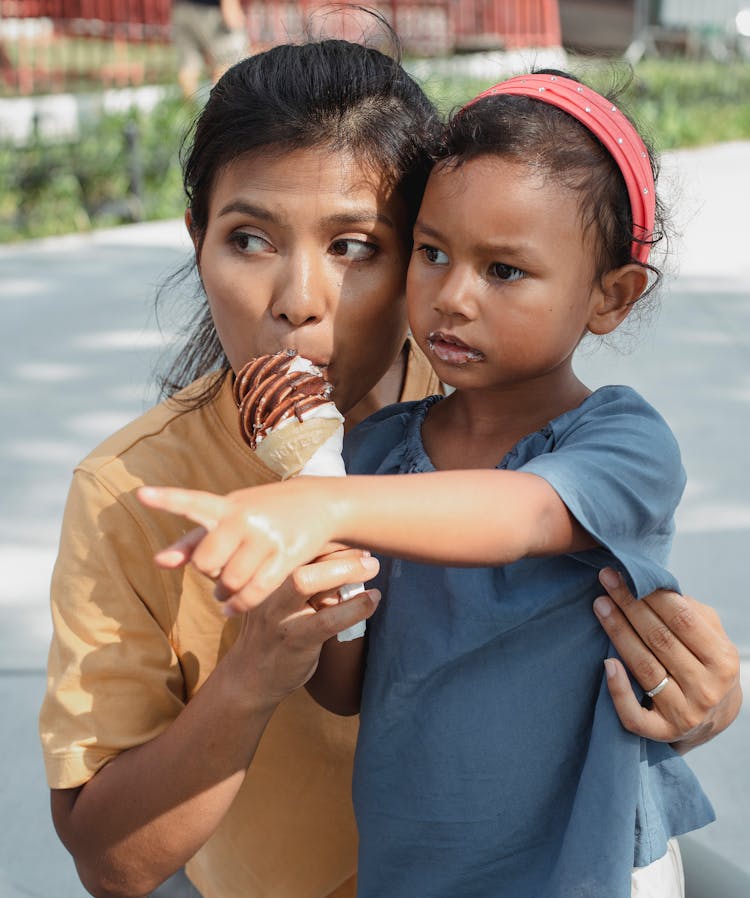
[168, 557]
[602, 606]
[610, 668]
[609, 578]
[374, 595]
[228, 611]
[370, 564]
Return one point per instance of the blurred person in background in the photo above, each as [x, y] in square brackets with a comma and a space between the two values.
[208, 33]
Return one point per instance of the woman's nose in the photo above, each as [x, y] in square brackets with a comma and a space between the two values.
[302, 293]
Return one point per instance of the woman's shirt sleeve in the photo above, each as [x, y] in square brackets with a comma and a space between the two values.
[114, 679]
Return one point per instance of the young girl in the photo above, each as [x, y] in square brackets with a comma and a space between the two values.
[490, 762]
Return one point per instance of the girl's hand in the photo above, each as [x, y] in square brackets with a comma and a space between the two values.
[250, 540]
[669, 635]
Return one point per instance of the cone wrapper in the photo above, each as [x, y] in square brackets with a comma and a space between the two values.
[311, 447]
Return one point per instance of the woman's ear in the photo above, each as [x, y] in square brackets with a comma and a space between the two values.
[191, 232]
[620, 289]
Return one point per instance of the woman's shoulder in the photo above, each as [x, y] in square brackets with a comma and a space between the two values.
[177, 443]
[153, 428]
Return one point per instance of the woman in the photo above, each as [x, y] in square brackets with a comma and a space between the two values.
[303, 180]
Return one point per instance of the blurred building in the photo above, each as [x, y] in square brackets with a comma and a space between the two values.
[597, 26]
[654, 27]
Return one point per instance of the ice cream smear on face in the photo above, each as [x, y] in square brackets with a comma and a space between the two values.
[287, 417]
[448, 348]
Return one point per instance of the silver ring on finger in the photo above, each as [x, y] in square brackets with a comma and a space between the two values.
[651, 693]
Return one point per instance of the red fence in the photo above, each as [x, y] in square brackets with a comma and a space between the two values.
[51, 45]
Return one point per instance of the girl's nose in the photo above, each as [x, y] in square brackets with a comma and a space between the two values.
[301, 295]
[456, 295]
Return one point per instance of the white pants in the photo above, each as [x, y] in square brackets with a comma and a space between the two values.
[662, 879]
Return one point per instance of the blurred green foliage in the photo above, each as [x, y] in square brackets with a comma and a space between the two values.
[121, 168]
[125, 167]
[678, 103]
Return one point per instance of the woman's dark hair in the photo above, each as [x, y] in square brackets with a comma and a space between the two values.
[540, 135]
[329, 93]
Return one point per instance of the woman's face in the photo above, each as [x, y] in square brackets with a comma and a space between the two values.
[307, 250]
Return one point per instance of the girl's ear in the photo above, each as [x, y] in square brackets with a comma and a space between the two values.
[621, 288]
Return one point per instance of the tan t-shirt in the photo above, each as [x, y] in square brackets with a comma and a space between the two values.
[132, 644]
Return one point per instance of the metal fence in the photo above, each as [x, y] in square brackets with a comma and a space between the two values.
[56, 45]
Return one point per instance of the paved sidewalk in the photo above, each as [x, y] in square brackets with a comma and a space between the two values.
[79, 345]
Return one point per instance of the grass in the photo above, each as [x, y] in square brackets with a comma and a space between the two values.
[56, 188]
[679, 103]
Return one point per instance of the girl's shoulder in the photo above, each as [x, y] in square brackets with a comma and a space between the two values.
[613, 406]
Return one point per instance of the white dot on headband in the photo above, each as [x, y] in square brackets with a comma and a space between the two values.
[588, 109]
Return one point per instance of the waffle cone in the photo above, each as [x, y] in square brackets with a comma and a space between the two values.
[287, 450]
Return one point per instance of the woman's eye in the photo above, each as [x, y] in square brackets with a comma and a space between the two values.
[355, 250]
[505, 272]
[250, 243]
[433, 255]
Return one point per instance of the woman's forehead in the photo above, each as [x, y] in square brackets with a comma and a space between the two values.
[316, 176]
[312, 164]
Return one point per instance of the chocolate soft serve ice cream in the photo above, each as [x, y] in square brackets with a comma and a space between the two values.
[289, 420]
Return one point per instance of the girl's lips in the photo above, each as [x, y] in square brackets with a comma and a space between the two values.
[451, 350]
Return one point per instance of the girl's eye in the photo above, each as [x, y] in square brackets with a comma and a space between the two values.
[250, 243]
[354, 250]
[505, 272]
[433, 255]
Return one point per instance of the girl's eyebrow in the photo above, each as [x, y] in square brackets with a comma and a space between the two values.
[425, 229]
[518, 252]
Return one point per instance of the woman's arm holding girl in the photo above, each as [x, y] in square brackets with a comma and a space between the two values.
[666, 633]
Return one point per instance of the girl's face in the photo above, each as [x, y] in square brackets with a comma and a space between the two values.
[307, 250]
[500, 286]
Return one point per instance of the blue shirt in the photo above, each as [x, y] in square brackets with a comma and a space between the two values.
[490, 761]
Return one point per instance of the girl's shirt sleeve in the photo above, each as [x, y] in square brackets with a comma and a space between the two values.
[616, 465]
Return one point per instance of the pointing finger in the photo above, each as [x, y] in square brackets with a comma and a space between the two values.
[202, 508]
[181, 551]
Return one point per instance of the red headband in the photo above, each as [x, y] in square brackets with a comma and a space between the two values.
[613, 129]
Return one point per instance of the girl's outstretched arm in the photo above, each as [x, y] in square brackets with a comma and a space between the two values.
[255, 537]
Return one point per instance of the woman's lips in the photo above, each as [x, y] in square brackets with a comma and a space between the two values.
[451, 350]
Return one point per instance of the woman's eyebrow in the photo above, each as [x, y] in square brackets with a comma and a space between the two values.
[350, 217]
[358, 216]
[247, 209]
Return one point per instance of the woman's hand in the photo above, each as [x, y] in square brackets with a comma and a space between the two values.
[250, 540]
[279, 643]
[674, 636]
